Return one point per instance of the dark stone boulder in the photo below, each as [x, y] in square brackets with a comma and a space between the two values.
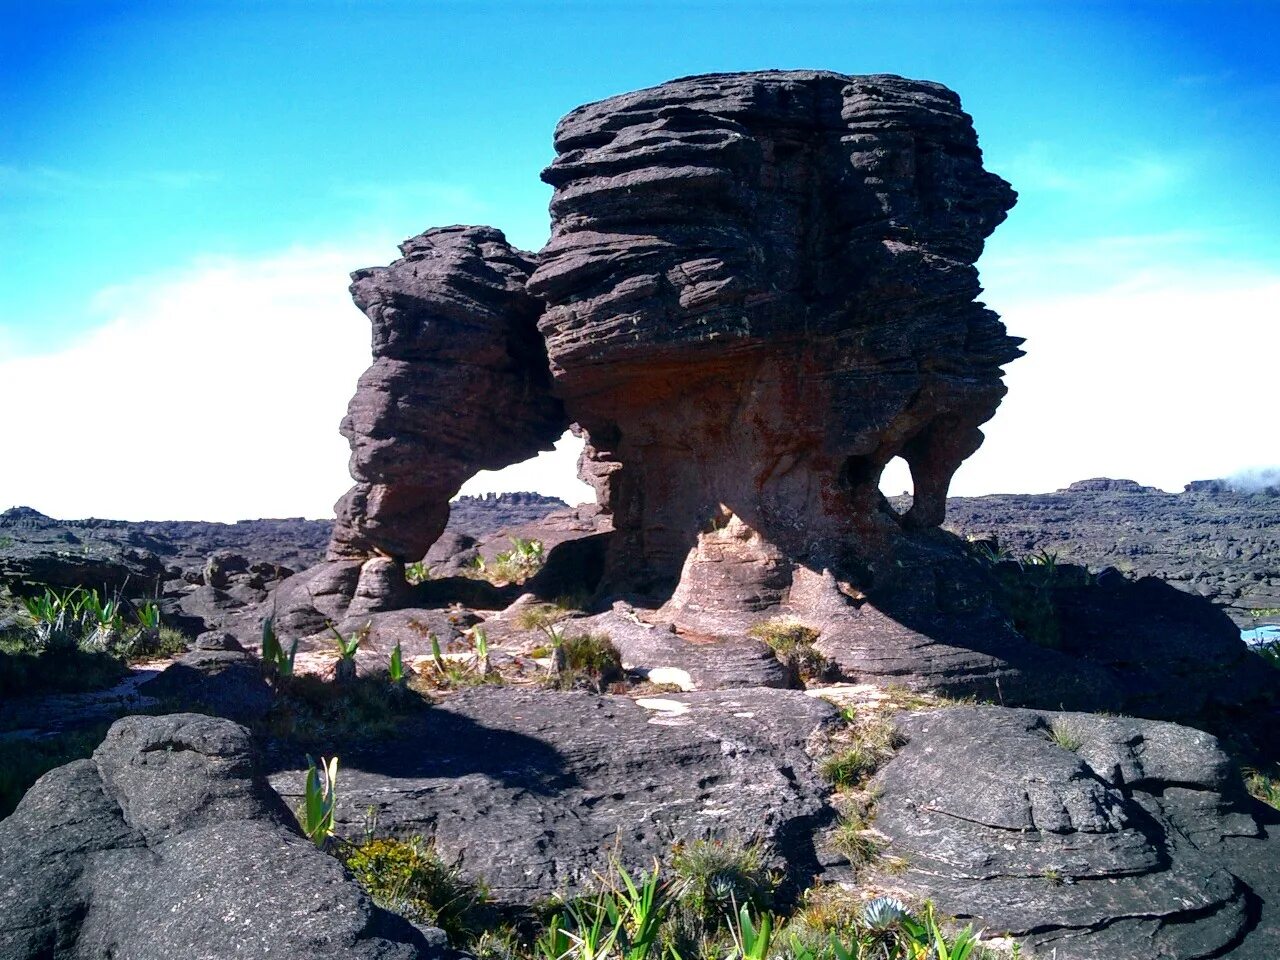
[529, 788]
[217, 640]
[1086, 835]
[169, 843]
[226, 682]
[451, 554]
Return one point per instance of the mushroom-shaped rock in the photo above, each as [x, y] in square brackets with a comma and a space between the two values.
[760, 289]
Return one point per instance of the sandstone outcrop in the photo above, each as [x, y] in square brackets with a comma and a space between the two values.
[1084, 836]
[169, 843]
[760, 289]
[459, 383]
[529, 789]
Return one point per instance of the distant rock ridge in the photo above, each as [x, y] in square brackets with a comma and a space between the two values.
[1231, 486]
[1108, 485]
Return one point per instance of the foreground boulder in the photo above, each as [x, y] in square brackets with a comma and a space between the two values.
[168, 843]
[534, 791]
[1085, 836]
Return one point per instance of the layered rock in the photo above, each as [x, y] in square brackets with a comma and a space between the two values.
[531, 790]
[760, 289]
[1084, 836]
[459, 383]
[169, 843]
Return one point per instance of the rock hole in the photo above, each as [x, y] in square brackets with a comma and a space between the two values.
[553, 474]
[897, 486]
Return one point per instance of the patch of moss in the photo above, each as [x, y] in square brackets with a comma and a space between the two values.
[409, 877]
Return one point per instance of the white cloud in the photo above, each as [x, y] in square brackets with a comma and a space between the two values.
[214, 393]
[1161, 382]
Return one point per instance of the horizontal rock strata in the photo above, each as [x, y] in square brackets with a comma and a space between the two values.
[1086, 835]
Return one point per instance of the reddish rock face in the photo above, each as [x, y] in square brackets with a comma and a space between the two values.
[759, 290]
[459, 383]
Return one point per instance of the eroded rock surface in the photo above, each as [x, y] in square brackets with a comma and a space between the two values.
[168, 843]
[530, 788]
[760, 288]
[1086, 835]
[459, 383]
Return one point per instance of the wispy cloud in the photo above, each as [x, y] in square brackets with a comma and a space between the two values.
[53, 180]
[1136, 178]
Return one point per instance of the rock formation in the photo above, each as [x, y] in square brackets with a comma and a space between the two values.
[530, 789]
[1084, 836]
[760, 289]
[459, 383]
[169, 843]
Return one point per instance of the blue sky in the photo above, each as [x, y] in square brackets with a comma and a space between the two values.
[183, 184]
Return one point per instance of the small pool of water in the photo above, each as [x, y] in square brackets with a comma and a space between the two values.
[1258, 635]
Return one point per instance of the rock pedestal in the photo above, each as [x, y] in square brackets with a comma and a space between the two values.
[760, 289]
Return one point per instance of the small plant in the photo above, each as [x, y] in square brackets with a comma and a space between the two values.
[1264, 787]
[714, 880]
[792, 642]
[589, 659]
[523, 560]
[396, 665]
[1066, 735]
[624, 921]
[344, 670]
[855, 841]
[320, 800]
[749, 941]
[480, 651]
[454, 673]
[416, 573]
[988, 551]
[409, 877]
[638, 909]
[868, 745]
[851, 767]
[57, 621]
[545, 618]
[274, 657]
[149, 616]
[1269, 651]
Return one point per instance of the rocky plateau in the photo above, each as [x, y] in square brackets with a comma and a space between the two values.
[758, 290]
